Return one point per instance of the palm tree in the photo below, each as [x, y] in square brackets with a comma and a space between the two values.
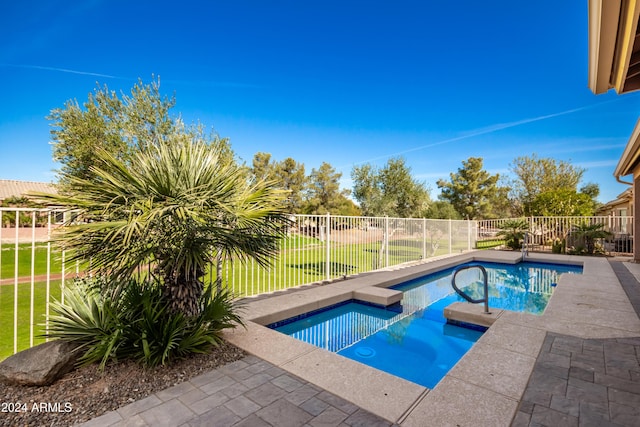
[589, 233]
[513, 232]
[176, 206]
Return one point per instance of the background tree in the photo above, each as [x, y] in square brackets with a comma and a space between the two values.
[536, 175]
[441, 209]
[501, 203]
[391, 190]
[119, 125]
[290, 176]
[593, 191]
[563, 202]
[262, 168]
[367, 189]
[470, 190]
[323, 191]
[287, 175]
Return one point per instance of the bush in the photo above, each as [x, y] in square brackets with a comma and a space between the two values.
[513, 232]
[135, 322]
[558, 246]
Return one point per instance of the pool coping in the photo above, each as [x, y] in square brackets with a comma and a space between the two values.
[486, 385]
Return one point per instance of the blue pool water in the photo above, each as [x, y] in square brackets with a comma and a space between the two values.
[413, 341]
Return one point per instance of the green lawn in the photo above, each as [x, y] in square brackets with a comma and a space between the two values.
[304, 264]
[488, 244]
[24, 305]
[7, 260]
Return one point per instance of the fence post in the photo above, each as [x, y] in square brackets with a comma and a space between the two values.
[450, 236]
[386, 240]
[33, 275]
[469, 235]
[424, 238]
[327, 234]
[15, 286]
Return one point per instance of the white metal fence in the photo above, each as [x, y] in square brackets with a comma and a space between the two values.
[323, 247]
[544, 231]
[318, 247]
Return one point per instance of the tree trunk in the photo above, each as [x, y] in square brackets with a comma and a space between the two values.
[184, 295]
[219, 272]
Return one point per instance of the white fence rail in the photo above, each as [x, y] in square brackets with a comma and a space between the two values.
[33, 272]
[318, 247]
[327, 247]
[544, 231]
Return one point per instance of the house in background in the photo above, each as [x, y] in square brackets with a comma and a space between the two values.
[13, 194]
[620, 207]
[10, 189]
[614, 63]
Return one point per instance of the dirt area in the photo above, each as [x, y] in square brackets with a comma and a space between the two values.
[86, 393]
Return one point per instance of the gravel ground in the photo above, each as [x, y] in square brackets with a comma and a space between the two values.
[86, 392]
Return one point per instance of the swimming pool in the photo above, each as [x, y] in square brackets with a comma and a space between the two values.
[413, 340]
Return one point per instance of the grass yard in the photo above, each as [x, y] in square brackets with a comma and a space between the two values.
[24, 305]
[300, 266]
[488, 244]
[301, 261]
[7, 260]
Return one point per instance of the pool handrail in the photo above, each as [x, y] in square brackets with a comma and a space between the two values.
[485, 300]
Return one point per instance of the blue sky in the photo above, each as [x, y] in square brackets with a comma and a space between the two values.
[345, 82]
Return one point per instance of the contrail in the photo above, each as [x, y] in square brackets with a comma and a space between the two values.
[181, 82]
[63, 70]
[489, 129]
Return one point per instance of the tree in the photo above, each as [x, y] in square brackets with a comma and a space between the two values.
[470, 190]
[593, 191]
[107, 122]
[563, 202]
[539, 175]
[323, 191]
[119, 125]
[441, 209]
[290, 176]
[367, 190]
[175, 205]
[287, 175]
[391, 190]
[263, 169]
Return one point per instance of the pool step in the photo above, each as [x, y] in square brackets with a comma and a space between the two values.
[465, 312]
[380, 296]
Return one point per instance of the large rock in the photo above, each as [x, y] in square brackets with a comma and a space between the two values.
[39, 365]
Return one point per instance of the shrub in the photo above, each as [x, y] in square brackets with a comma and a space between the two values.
[558, 246]
[590, 234]
[513, 232]
[137, 323]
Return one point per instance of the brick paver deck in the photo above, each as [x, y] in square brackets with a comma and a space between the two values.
[248, 392]
[586, 382]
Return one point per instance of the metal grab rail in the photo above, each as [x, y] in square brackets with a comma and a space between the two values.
[525, 246]
[485, 300]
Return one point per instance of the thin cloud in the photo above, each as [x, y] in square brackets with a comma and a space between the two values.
[63, 70]
[598, 164]
[109, 76]
[489, 129]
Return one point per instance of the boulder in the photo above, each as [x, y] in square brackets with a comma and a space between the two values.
[39, 365]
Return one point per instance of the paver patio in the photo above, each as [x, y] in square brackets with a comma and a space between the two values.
[578, 364]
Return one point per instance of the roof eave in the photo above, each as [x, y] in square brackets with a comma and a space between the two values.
[603, 31]
[630, 155]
